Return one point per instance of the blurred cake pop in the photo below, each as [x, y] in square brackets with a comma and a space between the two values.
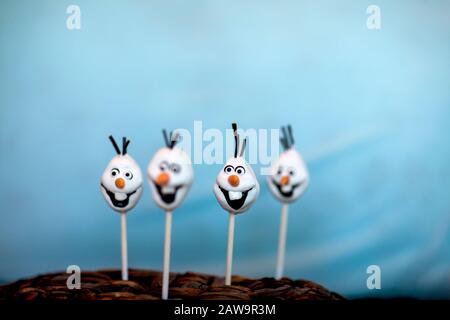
[288, 177]
[170, 175]
[288, 180]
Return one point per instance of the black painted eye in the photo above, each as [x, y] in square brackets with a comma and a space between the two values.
[175, 168]
[163, 166]
[128, 175]
[291, 172]
[240, 170]
[279, 171]
[228, 169]
[115, 172]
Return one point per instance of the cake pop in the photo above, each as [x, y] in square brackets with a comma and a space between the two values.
[236, 189]
[170, 176]
[121, 185]
[287, 181]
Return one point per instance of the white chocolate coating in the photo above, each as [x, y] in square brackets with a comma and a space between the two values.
[170, 176]
[288, 177]
[236, 187]
[121, 183]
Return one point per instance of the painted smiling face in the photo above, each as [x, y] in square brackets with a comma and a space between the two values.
[236, 187]
[288, 177]
[170, 174]
[121, 182]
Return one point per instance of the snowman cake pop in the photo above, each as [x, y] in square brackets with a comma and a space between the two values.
[288, 180]
[288, 176]
[170, 176]
[236, 189]
[121, 185]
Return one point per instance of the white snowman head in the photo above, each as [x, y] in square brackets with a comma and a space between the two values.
[236, 187]
[170, 174]
[121, 182]
[288, 176]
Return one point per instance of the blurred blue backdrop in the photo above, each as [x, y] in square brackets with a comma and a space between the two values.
[370, 111]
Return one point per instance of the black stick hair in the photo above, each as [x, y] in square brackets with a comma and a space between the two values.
[125, 143]
[291, 136]
[171, 139]
[236, 139]
[166, 140]
[238, 151]
[114, 144]
[287, 138]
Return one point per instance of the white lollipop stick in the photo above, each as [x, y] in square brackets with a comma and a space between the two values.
[166, 263]
[282, 241]
[229, 249]
[123, 238]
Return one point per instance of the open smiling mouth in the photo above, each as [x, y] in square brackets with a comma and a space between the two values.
[119, 203]
[236, 204]
[167, 197]
[289, 193]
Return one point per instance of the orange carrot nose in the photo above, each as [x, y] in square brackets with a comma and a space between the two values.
[162, 179]
[284, 180]
[233, 180]
[120, 183]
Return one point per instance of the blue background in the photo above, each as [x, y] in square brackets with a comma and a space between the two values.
[370, 111]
